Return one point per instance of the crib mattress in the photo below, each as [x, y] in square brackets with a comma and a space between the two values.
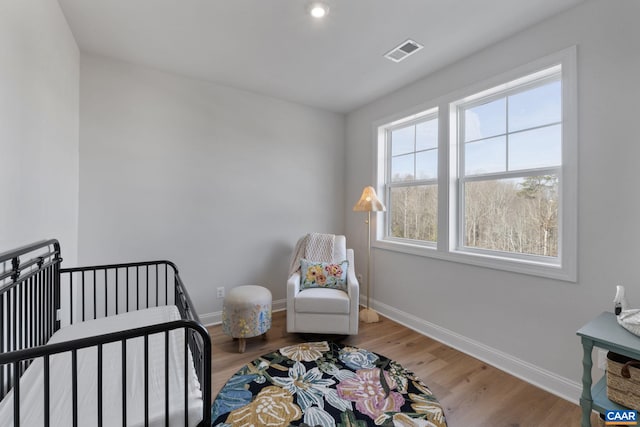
[32, 381]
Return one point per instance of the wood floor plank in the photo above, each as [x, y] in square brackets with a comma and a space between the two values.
[472, 393]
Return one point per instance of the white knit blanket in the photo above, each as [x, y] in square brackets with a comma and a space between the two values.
[314, 246]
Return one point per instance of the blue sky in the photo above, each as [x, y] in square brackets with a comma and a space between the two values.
[487, 126]
[533, 138]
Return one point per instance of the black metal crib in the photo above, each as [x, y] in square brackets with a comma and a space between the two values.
[38, 297]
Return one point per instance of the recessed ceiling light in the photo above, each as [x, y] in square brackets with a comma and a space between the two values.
[318, 10]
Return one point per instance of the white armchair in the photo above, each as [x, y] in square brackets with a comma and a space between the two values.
[321, 310]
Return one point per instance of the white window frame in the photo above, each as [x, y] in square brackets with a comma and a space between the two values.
[449, 246]
[414, 119]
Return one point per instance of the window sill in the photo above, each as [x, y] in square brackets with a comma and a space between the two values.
[531, 268]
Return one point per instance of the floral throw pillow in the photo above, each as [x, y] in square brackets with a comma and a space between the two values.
[331, 275]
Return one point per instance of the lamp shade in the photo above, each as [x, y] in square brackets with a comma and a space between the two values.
[369, 201]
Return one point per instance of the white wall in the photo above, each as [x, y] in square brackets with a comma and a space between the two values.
[39, 75]
[219, 180]
[529, 321]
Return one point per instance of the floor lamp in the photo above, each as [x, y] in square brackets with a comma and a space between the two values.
[368, 203]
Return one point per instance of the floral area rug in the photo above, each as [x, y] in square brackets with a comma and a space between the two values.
[325, 384]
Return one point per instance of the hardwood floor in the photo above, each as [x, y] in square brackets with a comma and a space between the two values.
[472, 393]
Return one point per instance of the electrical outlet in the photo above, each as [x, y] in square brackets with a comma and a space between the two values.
[602, 359]
[220, 293]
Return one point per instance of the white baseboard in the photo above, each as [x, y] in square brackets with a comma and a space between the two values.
[215, 318]
[540, 377]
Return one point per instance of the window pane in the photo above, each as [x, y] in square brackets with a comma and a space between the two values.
[427, 164]
[485, 120]
[427, 135]
[512, 215]
[402, 168]
[486, 156]
[536, 107]
[535, 148]
[413, 212]
[402, 140]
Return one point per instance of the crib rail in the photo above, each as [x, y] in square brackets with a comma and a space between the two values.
[29, 298]
[104, 290]
[37, 297]
[191, 328]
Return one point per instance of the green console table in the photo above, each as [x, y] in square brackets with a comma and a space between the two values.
[603, 332]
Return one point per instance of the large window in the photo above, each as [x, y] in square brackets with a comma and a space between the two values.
[510, 149]
[412, 189]
[493, 182]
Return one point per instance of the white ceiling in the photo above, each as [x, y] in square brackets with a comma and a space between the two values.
[275, 48]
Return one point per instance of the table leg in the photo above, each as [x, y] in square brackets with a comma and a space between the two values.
[242, 345]
[586, 400]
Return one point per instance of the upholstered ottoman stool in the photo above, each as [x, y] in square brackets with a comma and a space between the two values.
[246, 313]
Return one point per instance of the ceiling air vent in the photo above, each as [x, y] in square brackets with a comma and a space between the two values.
[403, 51]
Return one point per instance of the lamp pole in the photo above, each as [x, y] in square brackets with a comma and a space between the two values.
[368, 203]
[368, 315]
